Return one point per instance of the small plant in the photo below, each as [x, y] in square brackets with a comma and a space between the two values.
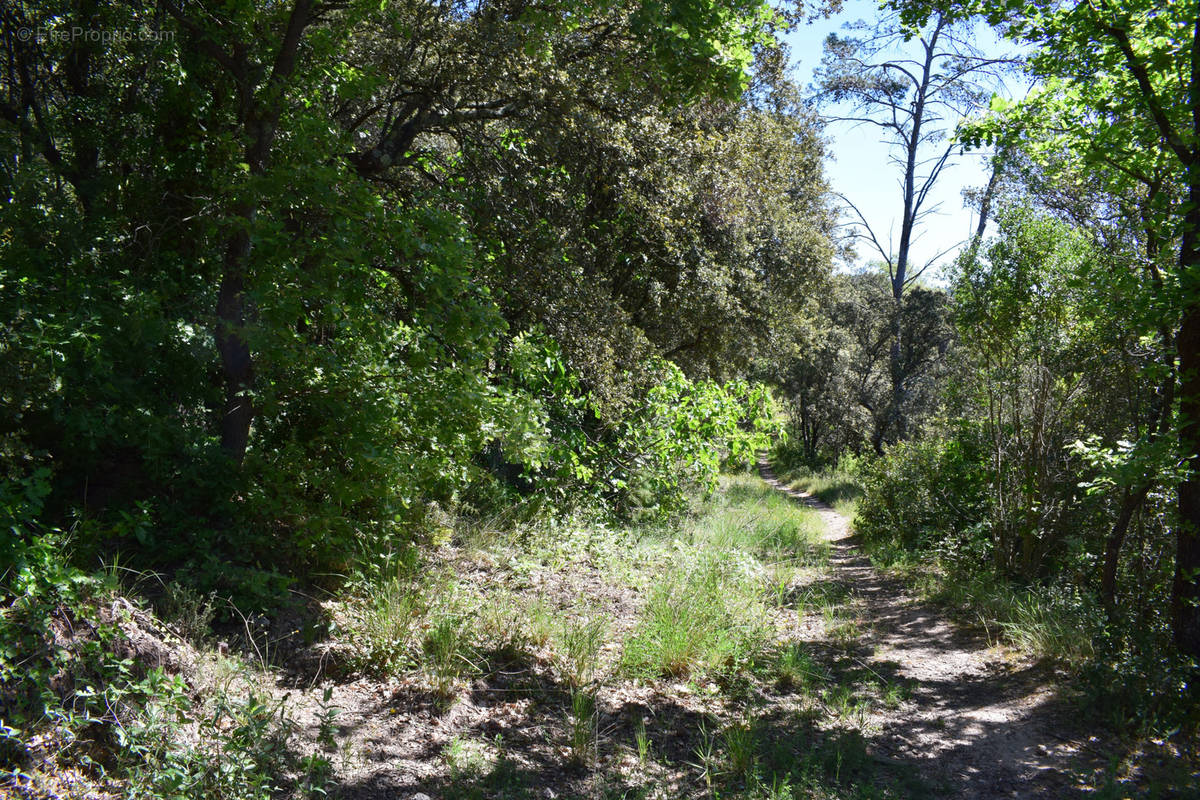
[583, 725]
[326, 714]
[448, 655]
[540, 623]
[317, 770]
[893, 695]
[468, 759]
[739, 741]
[706, 758]
[383, 626]
[840, 629]
[778, 584]
[503, 625]
[795, 668]
[778, 789]
[842, 702]
[582, 640]
[188, 611]
[642, 740]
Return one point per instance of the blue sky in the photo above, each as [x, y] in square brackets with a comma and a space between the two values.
[859, 168]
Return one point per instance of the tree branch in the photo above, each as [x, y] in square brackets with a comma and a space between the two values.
[1138, 69]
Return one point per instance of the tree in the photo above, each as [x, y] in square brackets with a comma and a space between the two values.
[1127, 75]
[915, 101]
[694, 233]
[839, 379]
[249, 315]
[1039, 169]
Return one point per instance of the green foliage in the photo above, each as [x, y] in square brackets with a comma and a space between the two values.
[927, 494]
[245, 752]
[704, 43]
[694, 232]
[1008, 512]
[649, 461]
[1113, 124]
[352, 273]
[70, 694]
[1142, 689]
[697, 621]
[838, 384]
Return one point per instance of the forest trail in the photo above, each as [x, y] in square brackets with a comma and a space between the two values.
[980, 721]
[885, 697]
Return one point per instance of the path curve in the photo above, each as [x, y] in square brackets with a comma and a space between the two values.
[981, 721]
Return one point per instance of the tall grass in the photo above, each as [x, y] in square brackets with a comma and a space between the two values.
[383, 624]
[698, 620]
[706, 612]
[1044, 622]
[760, 522]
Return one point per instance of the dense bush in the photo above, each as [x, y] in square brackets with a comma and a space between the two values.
[645, 462]
[262, 327]
[928, 495]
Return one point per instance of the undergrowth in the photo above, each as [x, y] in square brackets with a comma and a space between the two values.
[837, 484]
[97, 694]
[698, 620]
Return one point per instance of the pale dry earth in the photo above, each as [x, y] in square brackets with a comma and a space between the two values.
[980, 720]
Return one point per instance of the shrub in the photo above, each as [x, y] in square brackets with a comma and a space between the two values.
[924, 494]
[77, 691]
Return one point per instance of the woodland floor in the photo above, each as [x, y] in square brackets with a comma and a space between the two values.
[981, 718]
[901, 703]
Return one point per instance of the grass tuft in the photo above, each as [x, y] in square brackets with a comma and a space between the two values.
[696, 621]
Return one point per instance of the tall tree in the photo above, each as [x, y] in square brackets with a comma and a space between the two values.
[219, 238]
[915, 89]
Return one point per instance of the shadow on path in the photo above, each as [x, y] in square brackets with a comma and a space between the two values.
[979, 720]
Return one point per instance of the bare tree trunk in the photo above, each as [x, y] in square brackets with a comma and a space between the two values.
[896, 417]
[237, 362]
[985, 202]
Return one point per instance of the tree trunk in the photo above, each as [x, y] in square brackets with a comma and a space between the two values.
[1130, 503]
[896, 412]
[1185, 590]
[237, 364]
[259, 114]
[1135, 496]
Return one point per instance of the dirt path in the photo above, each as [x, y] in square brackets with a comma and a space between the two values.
[896, 699]
[979, 721]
